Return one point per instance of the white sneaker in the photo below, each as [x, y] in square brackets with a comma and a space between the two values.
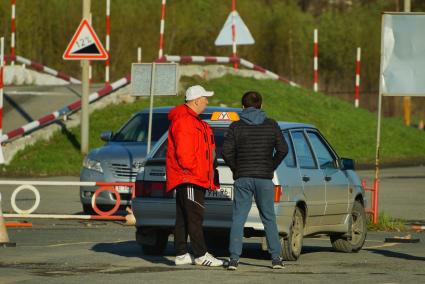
[208, 260]
[184, 259]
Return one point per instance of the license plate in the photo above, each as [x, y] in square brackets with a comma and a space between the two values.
[123, 189]
[225, 192]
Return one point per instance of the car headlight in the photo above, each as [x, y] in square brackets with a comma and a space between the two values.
[92, 165]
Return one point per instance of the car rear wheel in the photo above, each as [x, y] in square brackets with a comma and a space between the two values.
[291, 244]
[353, 243]
[152, 241]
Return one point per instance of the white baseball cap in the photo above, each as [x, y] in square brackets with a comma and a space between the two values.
[197, 91]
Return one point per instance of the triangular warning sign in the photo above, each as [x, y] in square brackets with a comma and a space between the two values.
[243, 36]
[85, 44]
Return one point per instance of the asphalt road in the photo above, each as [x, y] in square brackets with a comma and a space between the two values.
[100, 252]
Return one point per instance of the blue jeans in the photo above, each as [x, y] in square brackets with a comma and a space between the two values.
[263, 191]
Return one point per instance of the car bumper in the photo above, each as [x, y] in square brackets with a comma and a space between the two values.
[216, 215]
[105, 197]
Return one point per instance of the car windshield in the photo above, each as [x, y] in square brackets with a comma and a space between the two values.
[136, 130]
[219, 134]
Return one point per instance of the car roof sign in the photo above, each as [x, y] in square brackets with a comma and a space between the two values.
[225, 115]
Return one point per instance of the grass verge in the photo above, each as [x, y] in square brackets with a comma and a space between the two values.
[351, 131]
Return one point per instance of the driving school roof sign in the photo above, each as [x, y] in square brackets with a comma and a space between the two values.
[85, 44]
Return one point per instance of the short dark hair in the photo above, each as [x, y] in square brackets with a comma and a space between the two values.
[252, 99]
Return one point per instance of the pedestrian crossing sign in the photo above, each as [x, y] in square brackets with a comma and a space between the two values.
[85, 44]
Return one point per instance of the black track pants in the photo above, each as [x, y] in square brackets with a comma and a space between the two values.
[189, 219]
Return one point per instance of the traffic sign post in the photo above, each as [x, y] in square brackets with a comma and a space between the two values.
[85, 45]
[149, 79]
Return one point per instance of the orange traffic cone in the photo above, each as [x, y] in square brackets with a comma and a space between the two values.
[4, 238]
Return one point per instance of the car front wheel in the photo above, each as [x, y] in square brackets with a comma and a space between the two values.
[291, 245]
[353, 243]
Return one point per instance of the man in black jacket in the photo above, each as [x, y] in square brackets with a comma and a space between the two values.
[253, 148]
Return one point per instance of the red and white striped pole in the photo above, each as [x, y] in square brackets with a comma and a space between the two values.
[108, 33]
[316, 61]
[234, 54]
[13, 27]
[139, 55]
[357, 92]
[161, 31]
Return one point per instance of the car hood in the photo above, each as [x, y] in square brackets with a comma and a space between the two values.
[119, 152]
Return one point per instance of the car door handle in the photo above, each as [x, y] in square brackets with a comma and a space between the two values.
[328, 178]
[306, 178]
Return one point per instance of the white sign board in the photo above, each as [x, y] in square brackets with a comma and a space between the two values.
[243, 36]
[403, 54]
[166, 79]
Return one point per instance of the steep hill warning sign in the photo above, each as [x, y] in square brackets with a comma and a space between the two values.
[85, 44]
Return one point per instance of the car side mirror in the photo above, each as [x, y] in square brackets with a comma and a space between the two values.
[346, 164]
[106, 135]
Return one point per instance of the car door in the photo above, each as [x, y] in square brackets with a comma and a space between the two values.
[312, 178]
[336, 181]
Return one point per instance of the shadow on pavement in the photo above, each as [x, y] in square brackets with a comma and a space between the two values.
[132, 249]
[316, 249]
[394, 254]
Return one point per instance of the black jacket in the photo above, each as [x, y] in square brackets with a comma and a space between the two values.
[254, 146]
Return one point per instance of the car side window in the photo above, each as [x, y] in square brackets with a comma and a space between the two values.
[290, 158]
[303, 151]
[324, 155]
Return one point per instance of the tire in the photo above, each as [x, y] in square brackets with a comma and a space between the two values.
[152, 241]
[291, 245]
[343, 243]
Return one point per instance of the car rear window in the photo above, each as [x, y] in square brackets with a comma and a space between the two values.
[219, 134]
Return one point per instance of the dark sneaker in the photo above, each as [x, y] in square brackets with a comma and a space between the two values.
[277, 263]
[233, 264]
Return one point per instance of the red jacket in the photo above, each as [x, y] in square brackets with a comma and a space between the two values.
[191, 150]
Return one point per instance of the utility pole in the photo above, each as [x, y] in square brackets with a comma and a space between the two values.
[407, 102]
[85, 94]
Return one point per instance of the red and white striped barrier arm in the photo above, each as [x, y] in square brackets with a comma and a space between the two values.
[41, 68]
[357, 91]
[13, 28]
[234, 54]
[316, 61]
[65, 110]
[1, 83]
[418, 227]
[220, 59]
[199, 59]
[161, 30]
[108, 33]
[271, 74]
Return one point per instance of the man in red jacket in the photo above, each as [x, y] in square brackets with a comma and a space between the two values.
[190, 171]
